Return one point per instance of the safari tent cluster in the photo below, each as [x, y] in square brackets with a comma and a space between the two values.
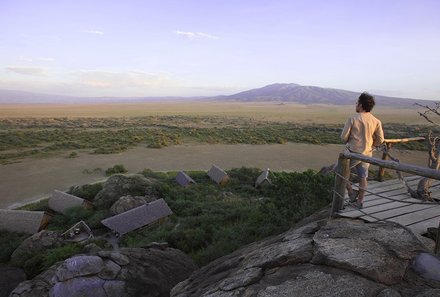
[31, 222]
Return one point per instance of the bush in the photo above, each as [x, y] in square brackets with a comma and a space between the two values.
[42, 261]
[208, 224]
[87, 192]
[8, 243]
[115, 169]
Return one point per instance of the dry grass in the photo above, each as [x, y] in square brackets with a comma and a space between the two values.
[318, 114]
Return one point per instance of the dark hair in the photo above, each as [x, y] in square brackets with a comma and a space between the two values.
[367, 101]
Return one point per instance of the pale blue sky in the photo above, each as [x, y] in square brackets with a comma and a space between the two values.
[213, 47]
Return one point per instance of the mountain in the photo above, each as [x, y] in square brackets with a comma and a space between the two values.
[22, 97]
[271, 93]
[311, 95]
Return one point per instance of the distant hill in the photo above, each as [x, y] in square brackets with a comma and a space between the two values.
[22, 97]
[311, 95]
[271, 93]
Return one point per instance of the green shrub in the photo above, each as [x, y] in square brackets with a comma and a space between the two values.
[34, 266]
[8, 243]
[115, 169]
[52, 256]
[87, 192]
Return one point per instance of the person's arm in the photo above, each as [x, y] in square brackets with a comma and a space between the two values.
[378, 137]
[346, 131]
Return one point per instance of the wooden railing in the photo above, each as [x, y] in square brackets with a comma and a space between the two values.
[389, 143]
[343, 174]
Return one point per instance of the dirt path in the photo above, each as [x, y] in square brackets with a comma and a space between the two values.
[33, 179]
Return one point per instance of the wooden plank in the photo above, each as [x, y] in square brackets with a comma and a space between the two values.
[416, 217]
[374, 208]
[421, 227]
[387, 214]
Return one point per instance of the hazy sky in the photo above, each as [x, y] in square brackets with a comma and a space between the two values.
[212, 47]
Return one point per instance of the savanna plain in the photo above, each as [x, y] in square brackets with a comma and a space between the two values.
[74, 148]
[46, 147]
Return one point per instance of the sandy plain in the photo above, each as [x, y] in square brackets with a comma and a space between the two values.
[34, 179]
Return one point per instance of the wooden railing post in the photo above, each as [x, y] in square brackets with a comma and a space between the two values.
[384, 157]
[343, 174]
[437, 242]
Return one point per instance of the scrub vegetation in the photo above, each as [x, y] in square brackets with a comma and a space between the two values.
[37, 137]
[208, 220]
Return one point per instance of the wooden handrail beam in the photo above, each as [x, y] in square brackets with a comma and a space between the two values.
[404, 139]
[408, 168]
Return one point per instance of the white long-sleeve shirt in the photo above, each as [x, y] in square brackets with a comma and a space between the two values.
[361, 132]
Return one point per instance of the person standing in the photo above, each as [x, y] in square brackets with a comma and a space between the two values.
[361, 133]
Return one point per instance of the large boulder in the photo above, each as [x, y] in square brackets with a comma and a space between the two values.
[35, 244]
[128, 272]
[340, 258]
[10, 277]
[126, 203]
[119, 185]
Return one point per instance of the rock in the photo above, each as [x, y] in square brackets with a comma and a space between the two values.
[427, 266]
[115, 256]
[114, 288]
[10, 277]
[429, 293]
[78, 287]
[378, 251]
[91, 249]
[35, 244]
[156, 245]
[79, 266]
[126, 203]
[145, 272]
[388, 292]
[119, 185]
[110, 270]
[337, 258]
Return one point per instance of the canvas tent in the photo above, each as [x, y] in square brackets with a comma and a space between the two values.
[263, 179]
[138, 217]
[23, 221]
[218, 175]
[184, 179]
[61, 202]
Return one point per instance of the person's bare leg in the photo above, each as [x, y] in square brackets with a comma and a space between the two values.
[349, 188]
[362, 185]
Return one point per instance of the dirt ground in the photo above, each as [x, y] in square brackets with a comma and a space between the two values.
[34, 179]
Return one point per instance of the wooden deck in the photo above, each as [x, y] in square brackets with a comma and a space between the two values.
[417, 217]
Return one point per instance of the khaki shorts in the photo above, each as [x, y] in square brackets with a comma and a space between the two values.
[361, 168]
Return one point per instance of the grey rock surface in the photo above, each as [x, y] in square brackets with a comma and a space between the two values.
[139, 272]
[119, 185]
[36, 243]
[427, 266]
[337, 258]
[126, 203]
[78, 266]
[10, 277]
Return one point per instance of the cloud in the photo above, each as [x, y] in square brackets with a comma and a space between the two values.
[33, 71]
[196, 35]
[95, 32]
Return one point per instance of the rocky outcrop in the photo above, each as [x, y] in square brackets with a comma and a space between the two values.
[341, 257]
[119, 185]
[126, 203]
[35, 244]
[10, 277]
[129, 272]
